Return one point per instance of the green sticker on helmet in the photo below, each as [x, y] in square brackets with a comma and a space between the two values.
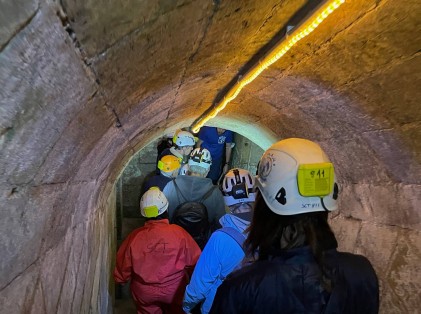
[315, 179]
[151, 211]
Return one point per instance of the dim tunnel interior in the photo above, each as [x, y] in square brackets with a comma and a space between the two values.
[86, 85]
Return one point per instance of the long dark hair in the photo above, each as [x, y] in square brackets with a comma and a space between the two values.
[270, 232]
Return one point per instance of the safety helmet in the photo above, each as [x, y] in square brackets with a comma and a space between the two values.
[170, 135]
[200, 157]
[295, 176]
[153, 203]
[238, 187]
[169, 163]
[184, 138]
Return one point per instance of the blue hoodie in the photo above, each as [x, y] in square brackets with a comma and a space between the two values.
[221, 255]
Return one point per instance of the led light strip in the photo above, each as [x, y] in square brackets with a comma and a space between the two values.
[299, 32]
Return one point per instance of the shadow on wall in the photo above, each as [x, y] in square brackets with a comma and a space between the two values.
[246, 155]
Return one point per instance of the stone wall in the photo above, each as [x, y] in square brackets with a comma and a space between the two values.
[246, 154]
[56, 236]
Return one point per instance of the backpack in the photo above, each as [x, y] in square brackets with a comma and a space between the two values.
[193, 217]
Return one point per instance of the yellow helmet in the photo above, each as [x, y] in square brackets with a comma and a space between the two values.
[169, 163]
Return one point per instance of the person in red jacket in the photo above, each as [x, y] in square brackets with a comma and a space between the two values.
[158, 258]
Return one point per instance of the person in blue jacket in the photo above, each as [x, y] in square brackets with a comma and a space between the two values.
[223, 253]
[220, 143]
[299, 269]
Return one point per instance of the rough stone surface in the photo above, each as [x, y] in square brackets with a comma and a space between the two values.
[87, 84]
[24, 213]
[402, 275]
[23, 286]
[246, 154]
[346, 231]
[35, 102]
[15, 15]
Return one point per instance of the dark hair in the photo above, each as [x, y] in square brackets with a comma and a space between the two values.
[268, 230]
[164, 215]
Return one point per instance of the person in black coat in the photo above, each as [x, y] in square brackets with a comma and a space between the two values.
[299, 269]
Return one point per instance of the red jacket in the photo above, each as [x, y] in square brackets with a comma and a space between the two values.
[156, 254]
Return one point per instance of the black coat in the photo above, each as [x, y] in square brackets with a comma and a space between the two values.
[290, 283]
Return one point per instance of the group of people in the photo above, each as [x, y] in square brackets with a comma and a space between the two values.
[270, 249]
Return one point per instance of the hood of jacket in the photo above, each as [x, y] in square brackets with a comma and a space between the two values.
[237, 221]
[193, 188]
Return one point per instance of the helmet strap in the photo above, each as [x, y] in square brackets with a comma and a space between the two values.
[323, 205]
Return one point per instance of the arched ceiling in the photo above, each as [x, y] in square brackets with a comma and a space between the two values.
[353, 81]
[353, 84]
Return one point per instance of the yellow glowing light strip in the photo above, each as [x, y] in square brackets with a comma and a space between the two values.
[272, 56]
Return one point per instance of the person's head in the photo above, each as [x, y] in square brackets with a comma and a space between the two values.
[238, 190]
[168, 138]
[296, 189]
[169, 166]
[199, 162]
[184, 142]
[154, 204]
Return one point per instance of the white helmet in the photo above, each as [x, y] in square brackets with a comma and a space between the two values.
[153, 203]
[295, 176]
[200, 157]
[183, 138]
[237, 187]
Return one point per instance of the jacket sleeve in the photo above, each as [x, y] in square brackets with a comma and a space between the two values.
[123, 268]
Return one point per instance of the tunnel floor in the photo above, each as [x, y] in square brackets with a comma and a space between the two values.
[124, 306]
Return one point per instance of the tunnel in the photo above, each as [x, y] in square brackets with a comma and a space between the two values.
[85, 85]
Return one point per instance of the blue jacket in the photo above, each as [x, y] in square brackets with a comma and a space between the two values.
[289, 283]
[221, 255]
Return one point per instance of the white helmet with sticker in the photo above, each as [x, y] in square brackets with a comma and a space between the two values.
[295, 176]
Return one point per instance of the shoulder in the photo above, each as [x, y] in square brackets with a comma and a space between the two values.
[168, 187]
[204, 130]
[134, 235]
[217, 192]
[228, 133]
[355, 267]
[178, 230]
[349, 259]
[245, 280]
[175, 230]
[253, 272]
[165, 152]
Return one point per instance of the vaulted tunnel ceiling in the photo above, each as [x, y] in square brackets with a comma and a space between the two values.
[166, 61]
